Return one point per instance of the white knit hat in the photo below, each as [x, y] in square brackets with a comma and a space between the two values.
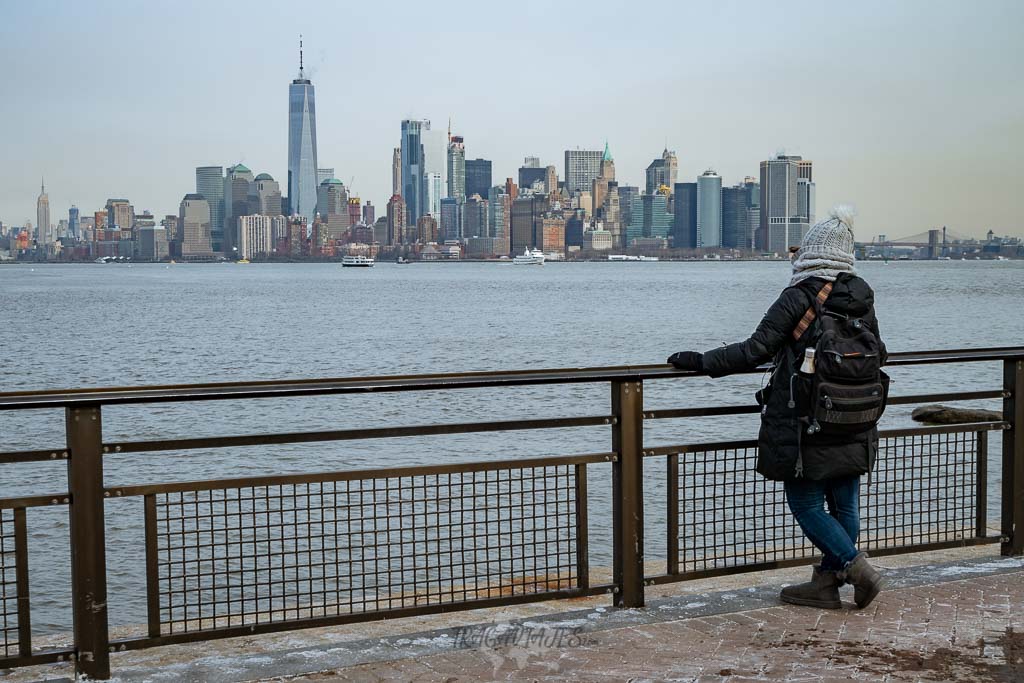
[827, 248]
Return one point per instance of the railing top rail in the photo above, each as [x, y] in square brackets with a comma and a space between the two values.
[465, 380]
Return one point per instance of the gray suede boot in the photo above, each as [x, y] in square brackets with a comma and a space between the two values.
[821, 591]
[866, 580]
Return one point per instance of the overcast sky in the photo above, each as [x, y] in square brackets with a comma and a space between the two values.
[913, 111]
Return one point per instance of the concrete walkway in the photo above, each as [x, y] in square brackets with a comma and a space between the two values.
[956, 620]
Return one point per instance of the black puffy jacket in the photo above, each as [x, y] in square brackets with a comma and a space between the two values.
[781, 439]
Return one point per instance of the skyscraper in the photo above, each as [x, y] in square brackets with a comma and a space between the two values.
[120, 214]
[236, 203]
[528, 175]
[709, 210]
[581, 168]
[413, 168]
[684, 226]
[302, 165]
[662, 171]
[735, 217]
[396, 171]
[323, 174]
[456, 165]
[265, 196]
[433, 192]
[397, 221]
[74, 223]
[210, 184]
[478, 177]
[782, 224]
[450, 225]
[475, 218]
[44, 235]
[194, 227]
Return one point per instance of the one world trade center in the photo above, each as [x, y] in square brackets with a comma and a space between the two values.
[302, 145]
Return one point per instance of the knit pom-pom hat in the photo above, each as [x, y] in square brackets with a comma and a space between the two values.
[827, 248]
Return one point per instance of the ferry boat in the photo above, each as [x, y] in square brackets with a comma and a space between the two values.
[356, 261]
[530, 258]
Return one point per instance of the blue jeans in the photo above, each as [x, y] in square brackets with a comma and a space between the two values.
[833, 533]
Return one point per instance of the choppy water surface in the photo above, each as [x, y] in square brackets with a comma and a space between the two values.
[104, 325]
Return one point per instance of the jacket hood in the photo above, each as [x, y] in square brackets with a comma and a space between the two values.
[850, 294]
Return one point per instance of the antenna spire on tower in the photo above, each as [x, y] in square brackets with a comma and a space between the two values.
[300, 55]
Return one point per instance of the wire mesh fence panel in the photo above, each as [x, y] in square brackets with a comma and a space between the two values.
[923, 490]
[9, 641]
[297, 551]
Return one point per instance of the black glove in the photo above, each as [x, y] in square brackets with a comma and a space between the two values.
[687, 360]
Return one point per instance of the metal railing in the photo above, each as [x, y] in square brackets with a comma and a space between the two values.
[248, 555]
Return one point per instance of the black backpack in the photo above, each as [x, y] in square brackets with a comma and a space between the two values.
[848, 391]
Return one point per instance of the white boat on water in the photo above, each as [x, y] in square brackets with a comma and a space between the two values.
[530, 258]
[356, 262]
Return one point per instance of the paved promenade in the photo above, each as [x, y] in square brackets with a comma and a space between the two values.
[960, 618]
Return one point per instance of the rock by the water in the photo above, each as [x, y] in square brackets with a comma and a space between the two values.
[947, 415]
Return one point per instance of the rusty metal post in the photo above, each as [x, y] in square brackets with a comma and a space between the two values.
[88, 544]
[628, 493]
[981, 487]
[1013, 458]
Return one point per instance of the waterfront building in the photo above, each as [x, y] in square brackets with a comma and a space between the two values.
[781, 221]
[628, 196]
[426, 229]
[152, 243]
[486, 247]
[805, 199]
[450, 226]
[323, 174]
[397, 220]
[302, 161]
[662, 172]
[581, 168]
[255, 236]
[525, 224]
[278, 229]
[396, 171]
[499, 206]
[551, 234]
[684, 227]
[74, 223]
[265, 196]
[606, 174]
[597, 239]
[478, 177]
[44, 233]
[433, 192]
[456, 166]
[120, 217]
[210, 184]
[236, 203]
[709, 210]
[355, 212]
[380, 230]
[657, 220]
[413, 168]
[194, 228]
[332, 198]
[575, 224]
[735, 218]
[475, 218]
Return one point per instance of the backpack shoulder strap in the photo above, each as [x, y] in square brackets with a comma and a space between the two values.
[811, 314]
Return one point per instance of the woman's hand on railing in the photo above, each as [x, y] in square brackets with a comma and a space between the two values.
[687, 360]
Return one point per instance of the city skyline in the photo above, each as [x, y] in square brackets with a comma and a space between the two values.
[903, 167]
